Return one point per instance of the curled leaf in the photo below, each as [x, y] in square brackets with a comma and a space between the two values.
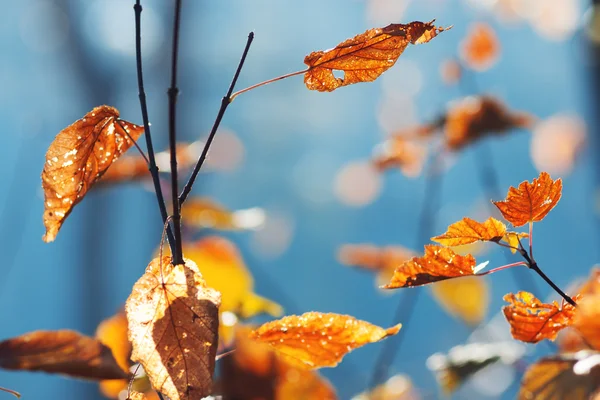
[531, 320]
[173, 324]
[468, 231]
[79, 155]
[437, 264]
[467, 298]
[530, 202]
[60, 352]
[567, 376]
[366, 56]
[316, 340]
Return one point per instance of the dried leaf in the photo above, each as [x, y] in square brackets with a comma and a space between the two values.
[437, 264]
[469, 231]
[78, 157]
[530, 202]
[206, 213]
[173, 324]
[467, 298]
[60, 352]
[567, 376]
[462, 362]
[366, 56]
[315, 340]
[255, 372]
[481, 48]
[382, 260]
[398, 387]
[531, 320]
[112, 332]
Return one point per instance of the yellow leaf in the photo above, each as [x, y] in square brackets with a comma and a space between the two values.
[468, 231]
[467, 298]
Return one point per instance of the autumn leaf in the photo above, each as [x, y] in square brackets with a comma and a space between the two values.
[587, 318]
[481, 48]
[468, 231]
[398, 387]
[467, 298]
[566, 376]
[513, 239]
[531, 320]
[173, 324]
[60, 352]
[437, 264]
[382, 260]
[366, 56]
[254, 371]
[530, 202]
[206, 213]
[112, 332]
[316, 340]
[398, 152]
[78, 157]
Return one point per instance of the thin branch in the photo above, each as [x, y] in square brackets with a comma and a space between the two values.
[508, 246]
[173, 91]
[142, 95]
[224, 103]
[558, 290]
[160, 396]
[236, 94]
[137, 146]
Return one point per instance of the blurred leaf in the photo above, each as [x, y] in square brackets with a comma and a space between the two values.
[206, 213]
[381, 260]
[399, 152]
[462, 362]
[467, 298]
[112, 332]
[173, 328]
[480, 49]
[530, 202]
[398, 387]
[366, 56]
[587, 318]
[315, 340]
[567, 376]
[60, 352]
[437, 264]
[531, 320]
[255, 372]
[468, 231]
[78, 157]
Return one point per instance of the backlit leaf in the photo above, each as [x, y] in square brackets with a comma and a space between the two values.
[467, 298]
[206, 213]
[531, 320]
[530, 202]
[366, 56]
[513, 239]
[569, 376]
[382, 260]
[255, 372]
[437, 264]
[78, 157]
[173, 325]
[60, 352]
[481, 48]
[469, 231]
[315, 340]
[112, 332]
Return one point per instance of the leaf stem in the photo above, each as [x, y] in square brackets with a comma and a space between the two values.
[507, 266]
[142, 96]
[173, 92]
[224, 103]
[236, 94]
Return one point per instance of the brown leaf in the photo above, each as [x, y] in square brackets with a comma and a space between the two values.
[315, 340]
[469, 231]
[481, 48]
[60, 352]
[530, 202]
[567, 376]
[531, 320]
[437, 264]
[254, 371]
[78, 157]
[173, 325]
[366, 56]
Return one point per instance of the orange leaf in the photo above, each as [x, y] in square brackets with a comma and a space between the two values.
[112, 332]
[78, 157]
[173, 324]
[315, 340]
[531, 320]
[60, 352]
[366, 56]
[437, 264]
[587, 319]
[470, 231]
[398, 152]
[481, 48]
[206, 213]
[530, 202]
[566, 376]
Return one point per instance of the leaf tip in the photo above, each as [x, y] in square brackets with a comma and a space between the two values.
[393, 330]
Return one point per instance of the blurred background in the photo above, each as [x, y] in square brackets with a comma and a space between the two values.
[303, 157]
